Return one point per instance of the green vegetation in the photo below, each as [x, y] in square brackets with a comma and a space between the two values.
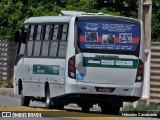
[14, 12]
[152, 107]
[6, 84]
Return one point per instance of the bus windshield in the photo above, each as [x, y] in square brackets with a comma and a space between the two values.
[109, 36]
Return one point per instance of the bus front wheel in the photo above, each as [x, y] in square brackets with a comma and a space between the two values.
[25, 100]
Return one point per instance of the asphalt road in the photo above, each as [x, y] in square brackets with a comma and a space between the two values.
[13, 103]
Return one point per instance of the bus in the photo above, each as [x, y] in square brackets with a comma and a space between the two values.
[80, 58]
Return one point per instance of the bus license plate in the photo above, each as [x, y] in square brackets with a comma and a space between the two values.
[104, 89]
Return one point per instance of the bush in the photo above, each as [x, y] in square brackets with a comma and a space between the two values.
[155, 107]
[6, 84]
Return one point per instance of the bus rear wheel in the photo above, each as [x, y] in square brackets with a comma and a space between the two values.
[48, 98]
[85, 107]
[110, 110]
[25, 100]
[59, 107]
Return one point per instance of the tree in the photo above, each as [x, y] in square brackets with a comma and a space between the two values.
[14, 12]
[155, 20]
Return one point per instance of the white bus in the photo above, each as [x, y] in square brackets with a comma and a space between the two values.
[83, 58]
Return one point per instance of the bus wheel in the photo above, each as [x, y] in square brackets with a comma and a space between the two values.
[59, 107]
[48, 98]
[85, 108]
[110, 110]
[25, 100]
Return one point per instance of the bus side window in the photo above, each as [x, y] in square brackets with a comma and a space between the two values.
[54, 41]
[63, 41]
[30, 43]
[23, 43]
[22, 48]
[38, 41]
[45, 44]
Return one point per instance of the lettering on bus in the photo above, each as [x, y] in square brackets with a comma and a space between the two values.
[110, 62]
[46, 69]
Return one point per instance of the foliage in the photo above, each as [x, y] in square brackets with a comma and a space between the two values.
[152, 108]
[14, 12]
[155, 20]
[6, 84]
[142, 107]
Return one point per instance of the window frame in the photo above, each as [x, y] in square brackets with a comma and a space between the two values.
[50, 38]
[120, 52]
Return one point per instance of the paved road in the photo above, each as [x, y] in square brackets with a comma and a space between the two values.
[13, 103]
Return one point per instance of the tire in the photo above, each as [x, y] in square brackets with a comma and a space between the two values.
[20, 88]
[25, 100]
[110, 110]
[85, 109]
[48, 98]
[59, 107]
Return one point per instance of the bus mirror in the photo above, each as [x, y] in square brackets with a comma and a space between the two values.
[16, 36]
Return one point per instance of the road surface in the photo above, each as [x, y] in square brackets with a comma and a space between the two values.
[13, 104]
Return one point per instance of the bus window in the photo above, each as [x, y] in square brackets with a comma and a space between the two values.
[55, 32]
[54, 42]
[45, 44]
[64, 32]
[62, 49]
[37, 44]
[63, 41]
[23, 41]
[30, 41]
[109, 36]
[59, 41]
[47, 40]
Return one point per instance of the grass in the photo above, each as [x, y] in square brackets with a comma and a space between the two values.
[142, 107]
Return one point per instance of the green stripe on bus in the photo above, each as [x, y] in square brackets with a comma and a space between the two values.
[110, 62]
[46, 69]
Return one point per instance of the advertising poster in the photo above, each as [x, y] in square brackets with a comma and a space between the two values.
[108, 35]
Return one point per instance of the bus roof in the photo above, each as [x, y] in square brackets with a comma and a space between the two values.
[108, 17]
[48, 19]
[67, 15]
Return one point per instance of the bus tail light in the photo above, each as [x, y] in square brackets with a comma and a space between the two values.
[71, 68]
[140, 71]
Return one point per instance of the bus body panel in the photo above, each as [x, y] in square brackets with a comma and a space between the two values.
[134, 90]
[107, 69]
[34, 73]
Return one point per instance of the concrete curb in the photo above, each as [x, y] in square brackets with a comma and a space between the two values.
[7, 91]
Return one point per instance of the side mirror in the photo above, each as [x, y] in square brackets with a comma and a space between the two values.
[16, 36]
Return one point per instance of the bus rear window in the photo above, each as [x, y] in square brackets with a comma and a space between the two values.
[108, 35]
